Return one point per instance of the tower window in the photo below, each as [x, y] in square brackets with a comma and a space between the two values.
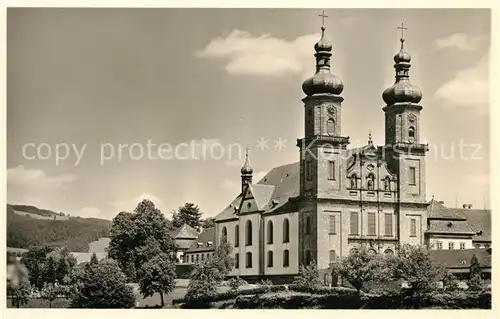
[371, 224]
[333, 256]
[411, 134]
[330, 126]
[413, 227]
[331, 224]
[413, 176]
[388, 224]
[308, 225]
[331, 170]
[354, 223]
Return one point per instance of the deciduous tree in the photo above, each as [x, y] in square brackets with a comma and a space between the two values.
[157, 275]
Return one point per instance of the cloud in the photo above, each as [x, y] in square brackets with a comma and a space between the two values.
[129, 204]
[36, 178]
[258, 176]
[231, 185]
[460, 41]
[263, 55]
[469, 87]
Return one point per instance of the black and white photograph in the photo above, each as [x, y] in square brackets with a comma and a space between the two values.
[248, 158]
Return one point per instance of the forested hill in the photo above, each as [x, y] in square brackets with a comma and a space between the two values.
[28, 226]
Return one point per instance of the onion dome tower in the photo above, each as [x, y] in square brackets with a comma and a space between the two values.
[246, 173]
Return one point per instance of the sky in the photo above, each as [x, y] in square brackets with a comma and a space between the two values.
[89, 90]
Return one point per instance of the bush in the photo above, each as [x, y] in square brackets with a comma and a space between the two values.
[101, 286]
[308, 276]
[235, 283]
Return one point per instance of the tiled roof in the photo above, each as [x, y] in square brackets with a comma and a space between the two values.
[286, 180]
[436, 210]
[460, 258]
[201, 243]
[230, 211]
[184, 232]
[449, 227]
[479, 220]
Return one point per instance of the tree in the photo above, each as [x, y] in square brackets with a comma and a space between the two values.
[157, 276]
[101, 286]
[308, 277]
[188, 214]
[35, 261]
[93, 260]
[18, 284]
[208, 222]
[475, 281]
[203, 281]
[360, 267]
[222, 259]
[52, 291]
[50, 270]
[135, 235]
[413, 264]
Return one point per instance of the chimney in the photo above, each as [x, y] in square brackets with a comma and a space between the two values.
[470, 206]
[464, 205]
[441, 202]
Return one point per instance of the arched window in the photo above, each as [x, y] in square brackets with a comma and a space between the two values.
[389, 252]
[270, 258]
[411, 133]
[286, 258]
[269, 232]
[248, 233]
[236, 236]
[372, 252]
[236, 260]
[333, 256]
[387, 183]
[249, 260]
[330, 126]
[354, 181]
[286, 231]
[371, 181]
[224, 234]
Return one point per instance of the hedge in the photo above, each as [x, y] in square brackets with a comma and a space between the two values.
[183, 271]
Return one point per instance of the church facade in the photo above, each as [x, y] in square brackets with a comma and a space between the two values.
[335, 198]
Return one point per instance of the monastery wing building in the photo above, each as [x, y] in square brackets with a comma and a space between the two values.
[336, 198]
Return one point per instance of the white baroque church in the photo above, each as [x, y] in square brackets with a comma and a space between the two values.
[336, 198]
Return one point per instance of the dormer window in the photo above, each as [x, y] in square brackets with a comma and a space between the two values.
[209, 243]
[200, 244]
[450, 224]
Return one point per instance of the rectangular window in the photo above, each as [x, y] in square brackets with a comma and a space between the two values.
[439, 245]
[237, 261]
[331, 224]
[308, 225]
[331, 170]
[354, 223]
[371, 224]
[451, 245]
[270, 259]
[388, 224]
[413, 227]
[286, 258]
[309, 170]
[462, 245]
[413, 176]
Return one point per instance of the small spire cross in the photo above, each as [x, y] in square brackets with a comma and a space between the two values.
[323, 16]
[402, 28]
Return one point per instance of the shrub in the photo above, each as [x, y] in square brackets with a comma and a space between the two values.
[102, 286]
[203, 282]
[235, 283]
[308, 277]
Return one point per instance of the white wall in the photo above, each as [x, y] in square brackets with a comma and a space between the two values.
[277, 247]
[445, 241]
